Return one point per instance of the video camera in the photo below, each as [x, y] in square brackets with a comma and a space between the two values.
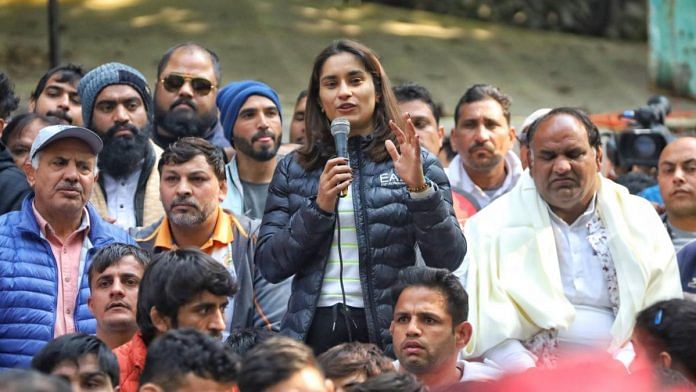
[642, 143]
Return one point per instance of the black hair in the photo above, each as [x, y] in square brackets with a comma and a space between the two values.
[593, 136]
[187, 148]
[388, 382]
[179, 352]
[21, 121]
[8, 101]
[636, 182]
[214, 59]
[274, 361]
[439, 279]
[241, 341]
[354, 357]
[173, 279]
[67, 73]
[302, 94]
[670, 326]
[72, 347]
[112, 254]
[27, 380]
[480, 92]
[408, 92]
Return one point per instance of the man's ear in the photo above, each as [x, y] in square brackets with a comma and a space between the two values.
[666, 360]
[512, 134]
[160, 321]
[223, 191]
[150, 387]
[600, 155]
[530, 160]
[440, 135]
[89, 304]
[30, 172]
[453, 140]
[462, 334]
[329, 385]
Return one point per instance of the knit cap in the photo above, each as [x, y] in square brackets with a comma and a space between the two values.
[231, 98]
[106, 75]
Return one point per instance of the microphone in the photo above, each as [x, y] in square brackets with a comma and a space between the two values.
[340, 128]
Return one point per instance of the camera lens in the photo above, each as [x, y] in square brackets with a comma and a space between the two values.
[644, 146]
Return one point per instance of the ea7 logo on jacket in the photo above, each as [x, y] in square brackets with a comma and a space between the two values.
[390, 180]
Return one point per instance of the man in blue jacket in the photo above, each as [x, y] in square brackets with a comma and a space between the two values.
[47, 246]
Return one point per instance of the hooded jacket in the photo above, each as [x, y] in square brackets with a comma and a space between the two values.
[392, 228]
[12, 182]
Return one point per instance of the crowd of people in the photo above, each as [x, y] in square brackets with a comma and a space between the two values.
[161, 237]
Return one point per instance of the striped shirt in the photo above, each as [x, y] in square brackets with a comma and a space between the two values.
[331, 292]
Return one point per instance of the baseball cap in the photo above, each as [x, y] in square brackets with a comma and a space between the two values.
[52, 133]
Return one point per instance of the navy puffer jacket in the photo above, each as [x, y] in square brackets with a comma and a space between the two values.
[296, 236]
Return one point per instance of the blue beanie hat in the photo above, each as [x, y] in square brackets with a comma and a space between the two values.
[106, 75]
[231, 98]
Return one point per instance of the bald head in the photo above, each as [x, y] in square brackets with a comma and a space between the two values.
[677, 178]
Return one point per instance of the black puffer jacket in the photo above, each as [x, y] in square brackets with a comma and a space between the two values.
[295, 235]
[12, 182]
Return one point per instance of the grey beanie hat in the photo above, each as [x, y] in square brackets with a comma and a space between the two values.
[106, 75]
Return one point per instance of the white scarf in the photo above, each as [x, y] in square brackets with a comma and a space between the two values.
[514, 281]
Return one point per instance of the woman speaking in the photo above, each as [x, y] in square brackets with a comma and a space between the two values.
[345, 227]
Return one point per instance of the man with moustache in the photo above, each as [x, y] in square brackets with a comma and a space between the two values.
[566, 259]
[114, 280]
[485, 167]
[250, 113]
[192, 185]
[430, 327]
[56, 94]
[187, 81]
[117, 105]
[48, 245]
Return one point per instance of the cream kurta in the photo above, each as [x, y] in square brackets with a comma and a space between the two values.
[514, 281]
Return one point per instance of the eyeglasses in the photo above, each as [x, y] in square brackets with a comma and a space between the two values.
[174, 81]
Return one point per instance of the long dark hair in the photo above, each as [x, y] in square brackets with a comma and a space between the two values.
[320, 146]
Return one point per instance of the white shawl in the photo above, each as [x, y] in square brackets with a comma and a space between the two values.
[514, 281]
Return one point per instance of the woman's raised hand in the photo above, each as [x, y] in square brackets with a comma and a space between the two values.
[408, 163]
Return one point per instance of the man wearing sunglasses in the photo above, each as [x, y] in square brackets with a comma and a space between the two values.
[117, 105]
[187, 85]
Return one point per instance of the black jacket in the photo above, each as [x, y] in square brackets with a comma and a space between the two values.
[296, 236]
[13, 183]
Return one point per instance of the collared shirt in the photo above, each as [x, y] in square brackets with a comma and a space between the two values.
[221, 237]
[68, 255]
[119, 197]
[584, 283]
[459, 178]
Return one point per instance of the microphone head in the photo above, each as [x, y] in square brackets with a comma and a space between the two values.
[340, 125]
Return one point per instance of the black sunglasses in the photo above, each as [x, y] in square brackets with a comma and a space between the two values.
[174, 81]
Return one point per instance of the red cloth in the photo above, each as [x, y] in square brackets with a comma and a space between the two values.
[131, 361]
